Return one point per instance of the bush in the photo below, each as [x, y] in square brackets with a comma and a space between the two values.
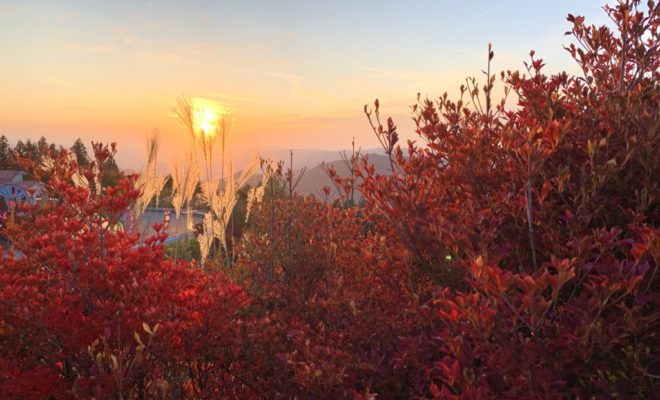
[513, 254]
[185, 249]
[549, 213]
[87, 312]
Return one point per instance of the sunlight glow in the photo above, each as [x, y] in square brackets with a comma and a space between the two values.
[207, 117]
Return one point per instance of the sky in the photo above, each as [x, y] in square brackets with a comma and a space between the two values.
[294, 73]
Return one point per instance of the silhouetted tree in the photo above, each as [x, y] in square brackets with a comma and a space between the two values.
[42, 147]
[111, 173]
[80, 151]
[27, 149]
[6, 159]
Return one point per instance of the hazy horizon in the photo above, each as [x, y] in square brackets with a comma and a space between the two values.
[239, 159]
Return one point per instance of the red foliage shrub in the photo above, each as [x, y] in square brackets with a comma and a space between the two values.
[333, 323]
[513, 255]
[549, 212]
[87, 312]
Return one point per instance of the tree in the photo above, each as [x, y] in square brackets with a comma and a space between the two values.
[20, 148]
[80, 152]
[42, 147]
[6, 159]
[111, 173]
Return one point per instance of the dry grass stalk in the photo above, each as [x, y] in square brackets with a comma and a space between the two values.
[150, 182]
[221, 202]
[254, 197]
[207, 121]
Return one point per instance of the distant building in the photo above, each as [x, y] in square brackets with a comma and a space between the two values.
[14, 188]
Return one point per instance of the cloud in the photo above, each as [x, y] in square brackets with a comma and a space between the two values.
[129, 40]
[227, 96]
[167, 56]
[398, 75]
[320, 116]
[57, 82]
[294, 80]
[7, 8]
[92, 48]
[101, 110]
[128, 37]
[66, 15]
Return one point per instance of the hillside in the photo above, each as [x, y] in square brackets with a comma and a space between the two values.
[315, 178]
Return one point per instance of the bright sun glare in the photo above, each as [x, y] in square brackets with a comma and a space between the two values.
[207, 117]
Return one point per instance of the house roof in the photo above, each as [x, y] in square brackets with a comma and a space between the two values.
[7, 176]
[28, 185]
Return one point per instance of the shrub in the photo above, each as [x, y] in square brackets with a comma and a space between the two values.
[87, 311]
[512, 255]
[549, 213]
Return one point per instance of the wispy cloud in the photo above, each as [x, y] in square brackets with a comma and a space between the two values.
[400, 75]
[57, 82]
[230, 97]
[319, 117]
[7, 8]
[101, 110]
[92, 48]
[294, 80]
[128, 37]
[129, 40]
[167, 57]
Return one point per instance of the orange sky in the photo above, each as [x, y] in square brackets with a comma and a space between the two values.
[295, 74]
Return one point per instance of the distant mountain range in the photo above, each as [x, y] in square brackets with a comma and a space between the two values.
[302, 158]
[315, 177]
[310, 158]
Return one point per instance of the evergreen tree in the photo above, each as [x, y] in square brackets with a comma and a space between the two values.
[42, 148]
[27, 150]
[80, 151]
[6, 159]
[53, 150]
[20, 148]
[111, 173]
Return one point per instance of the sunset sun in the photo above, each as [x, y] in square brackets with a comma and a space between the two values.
[208, 117]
